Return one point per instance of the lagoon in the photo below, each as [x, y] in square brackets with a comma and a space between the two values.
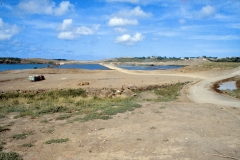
[5, 67]
[84, 66]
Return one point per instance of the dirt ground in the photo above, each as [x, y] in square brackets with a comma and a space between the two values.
[200, 125]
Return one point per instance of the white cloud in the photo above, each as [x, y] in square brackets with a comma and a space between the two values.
[36, 6]
[115, 21]
[120, 30]
[7, 31]
[136, 12]
[69, 32]
[84, 30]
[207, 11]
[63, 8]
[67, 23]
[44, 7]
[66, 35]
[128, 39]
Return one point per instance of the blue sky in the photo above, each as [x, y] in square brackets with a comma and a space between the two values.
[100, 29]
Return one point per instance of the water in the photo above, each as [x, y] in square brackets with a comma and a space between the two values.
[84, 66]
[231, 85]
[4, 67]
[149, 67]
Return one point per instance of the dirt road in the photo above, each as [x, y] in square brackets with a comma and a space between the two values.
[199, 91]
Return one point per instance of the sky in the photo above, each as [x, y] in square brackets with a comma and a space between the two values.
[102, 29]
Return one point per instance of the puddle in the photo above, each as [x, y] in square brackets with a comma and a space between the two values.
[231, 85]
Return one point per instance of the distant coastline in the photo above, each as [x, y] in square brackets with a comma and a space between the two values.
[12, 60]
[123, 60]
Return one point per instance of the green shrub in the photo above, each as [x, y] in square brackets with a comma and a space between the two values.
[10, 156]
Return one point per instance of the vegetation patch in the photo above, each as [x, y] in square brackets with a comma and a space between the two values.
[48, 130]
[2, 143]
[47, 95]
[162, 107]
[56, 141]
[168, 93]
[44, 121]
[4, 128]
[64, 116]
[73, 102]
[217, 65]
[69, 102]
[153, 127]
[10, 156]
[22, 135]
[233, 93]
[27, 145]
[2, 115]
[104, 108]
[227, 59]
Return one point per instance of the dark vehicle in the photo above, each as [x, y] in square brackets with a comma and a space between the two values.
[36, 78]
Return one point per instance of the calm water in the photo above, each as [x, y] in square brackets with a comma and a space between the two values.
[4, 67]
[84, 66]
[231, 85]
[149, 67]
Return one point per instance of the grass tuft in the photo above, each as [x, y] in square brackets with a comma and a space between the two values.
[64, 116]
[168, 93]
[22, 135]
[51, 130]
[27, 145]
[56, 141]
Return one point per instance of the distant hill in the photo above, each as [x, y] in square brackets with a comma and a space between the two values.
[12, 60]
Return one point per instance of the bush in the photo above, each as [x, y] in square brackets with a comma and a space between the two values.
[10, 156]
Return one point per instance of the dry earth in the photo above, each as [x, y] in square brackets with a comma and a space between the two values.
[200, 125]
